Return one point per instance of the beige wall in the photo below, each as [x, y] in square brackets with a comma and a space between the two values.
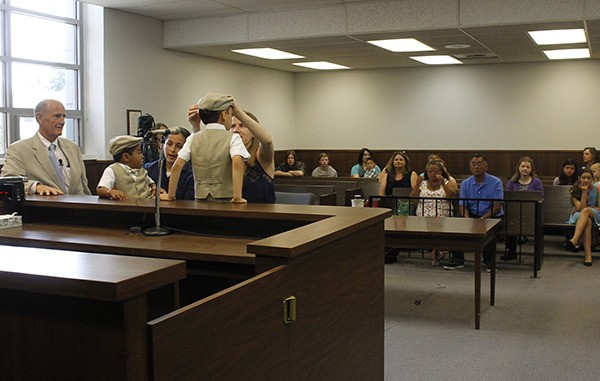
[140, 74]
[502, 106]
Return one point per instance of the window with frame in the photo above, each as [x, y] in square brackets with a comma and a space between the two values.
[40, 59]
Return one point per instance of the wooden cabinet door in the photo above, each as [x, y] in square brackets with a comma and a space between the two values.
[236, 334]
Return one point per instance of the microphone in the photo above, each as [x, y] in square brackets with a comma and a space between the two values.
[163, 132]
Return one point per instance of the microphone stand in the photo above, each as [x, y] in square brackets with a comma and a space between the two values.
[158, 230]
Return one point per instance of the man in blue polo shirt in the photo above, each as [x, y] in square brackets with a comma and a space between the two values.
[481, 185]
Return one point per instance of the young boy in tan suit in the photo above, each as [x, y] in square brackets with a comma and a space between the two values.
[125, 177]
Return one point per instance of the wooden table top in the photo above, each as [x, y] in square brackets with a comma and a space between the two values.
[84, 275]
[121, 241]
[318, 226]
[439, 226]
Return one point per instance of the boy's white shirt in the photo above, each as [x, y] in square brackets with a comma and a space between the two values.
[108, 177]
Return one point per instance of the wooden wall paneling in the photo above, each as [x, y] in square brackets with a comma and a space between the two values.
[502, 163]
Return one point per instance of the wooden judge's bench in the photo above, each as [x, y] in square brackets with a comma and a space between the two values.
[238, 292]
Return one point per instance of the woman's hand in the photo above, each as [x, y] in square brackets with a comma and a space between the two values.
[194, 117]
[585, 188]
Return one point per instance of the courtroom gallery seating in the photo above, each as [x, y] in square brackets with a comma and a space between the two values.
[294, 198]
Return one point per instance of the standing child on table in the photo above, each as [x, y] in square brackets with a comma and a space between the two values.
[126, 177]
[217, 155]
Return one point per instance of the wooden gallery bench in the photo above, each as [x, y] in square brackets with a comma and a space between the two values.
[344, 187]
[324, 194]
[557, 209]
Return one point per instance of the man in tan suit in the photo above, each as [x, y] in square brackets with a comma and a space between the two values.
[52, 165]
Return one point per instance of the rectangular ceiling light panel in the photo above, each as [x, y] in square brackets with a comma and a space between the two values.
[321, 65]
[558, 36]
[268, 53]
[437, 60]
[402, 45]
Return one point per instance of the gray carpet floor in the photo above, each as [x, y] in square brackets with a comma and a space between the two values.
[540, 329]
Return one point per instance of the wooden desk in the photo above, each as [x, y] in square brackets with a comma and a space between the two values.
[64, 314]
[315, 253]
[447, 233]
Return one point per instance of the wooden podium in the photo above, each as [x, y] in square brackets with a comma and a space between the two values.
[327, 262]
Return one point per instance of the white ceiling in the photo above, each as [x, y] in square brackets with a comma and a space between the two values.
[337, 30]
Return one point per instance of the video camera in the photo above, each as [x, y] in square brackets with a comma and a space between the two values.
[145, 124]
[149, 149]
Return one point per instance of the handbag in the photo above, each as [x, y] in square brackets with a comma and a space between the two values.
[402, 208]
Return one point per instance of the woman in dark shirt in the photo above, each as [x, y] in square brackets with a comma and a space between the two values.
[171, 147]
[397, 174]
[258, 180]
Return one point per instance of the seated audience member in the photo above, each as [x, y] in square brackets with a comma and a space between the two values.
[586, 213]
[359, 169]
[589, 156]
[397, 174]
[524, 179]
[217, 155]
[434, 183]
[481, 185]
[568, 175]
[51, 164]
[324, 169]
[291, 167]
[371, 171]
[125, 177]
[171, 147]
[451, 180]
[595, 168]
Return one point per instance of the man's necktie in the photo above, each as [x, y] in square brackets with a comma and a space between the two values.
[56, 165]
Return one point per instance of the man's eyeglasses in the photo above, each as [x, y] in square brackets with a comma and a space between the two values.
[478, 164]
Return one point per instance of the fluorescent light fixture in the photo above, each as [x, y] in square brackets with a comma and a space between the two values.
[402, 45]
[567, 54]
[558, 36]
[321, 65]
[268, 53]
[437, 60]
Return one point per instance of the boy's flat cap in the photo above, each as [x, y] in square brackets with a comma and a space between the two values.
[122, 142]
[215, 102]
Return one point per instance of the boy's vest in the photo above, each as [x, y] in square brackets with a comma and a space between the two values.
[133, 188]
[211, 162]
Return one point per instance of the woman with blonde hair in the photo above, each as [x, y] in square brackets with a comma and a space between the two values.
[397, 174]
